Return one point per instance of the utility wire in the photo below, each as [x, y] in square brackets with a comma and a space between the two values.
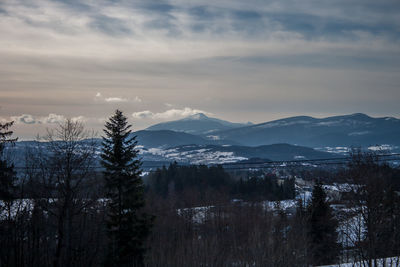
[263, 165]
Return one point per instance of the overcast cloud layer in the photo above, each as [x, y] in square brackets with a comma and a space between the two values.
[161, 60]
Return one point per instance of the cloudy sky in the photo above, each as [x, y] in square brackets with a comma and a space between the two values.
[160, 60]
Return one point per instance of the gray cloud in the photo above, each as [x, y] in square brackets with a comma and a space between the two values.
[116, 99]
[49, 119]
[24, 118]
[241, 60]
[169, 114]
[110, 26]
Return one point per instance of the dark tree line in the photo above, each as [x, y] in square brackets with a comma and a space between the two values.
[237, 234]
[64, 213]
[265, 187]
[204, 181]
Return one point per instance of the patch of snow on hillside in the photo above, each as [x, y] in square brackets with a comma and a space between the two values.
[305, 196]
[309, 164]
[156, 151]
[393, 261]
[215, 157]
[283, 205]
[342, 122]
[358, 133]
[381, 147]
[345, 187]
[329, 123]
[196, 214]
[390, 119]
[336, 150]
[16, 207]
[282, 124]
[214, 137]
[160, 151]
[197, 156]
[351, 231]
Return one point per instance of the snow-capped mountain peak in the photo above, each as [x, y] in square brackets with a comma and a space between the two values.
[197, 116]
[198, 124]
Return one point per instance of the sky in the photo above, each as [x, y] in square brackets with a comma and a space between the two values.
[163, 60]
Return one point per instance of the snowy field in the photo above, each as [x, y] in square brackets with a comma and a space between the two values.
[388, 262]
[195, 156]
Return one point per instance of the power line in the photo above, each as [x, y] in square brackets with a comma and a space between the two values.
[297, 164]
[262, 165]
[308, 160]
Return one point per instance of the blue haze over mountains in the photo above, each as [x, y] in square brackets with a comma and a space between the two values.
[348, 130]
[201, 139]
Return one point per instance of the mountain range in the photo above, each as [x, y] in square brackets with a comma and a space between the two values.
[358, 130]
[189, 154]
[200, 139]
[198, 124]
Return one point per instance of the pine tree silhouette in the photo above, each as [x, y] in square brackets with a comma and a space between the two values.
[127, 225]
[7, 174]
[322, 228]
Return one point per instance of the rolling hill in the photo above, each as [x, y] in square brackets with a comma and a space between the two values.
[349, 130]
[198, 124]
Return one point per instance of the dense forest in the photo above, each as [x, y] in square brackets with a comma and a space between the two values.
[64, 212]
[203, 180]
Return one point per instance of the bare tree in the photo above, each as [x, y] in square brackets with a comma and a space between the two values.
[62, 168]
[375, 204]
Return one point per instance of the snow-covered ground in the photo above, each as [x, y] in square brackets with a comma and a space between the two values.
[20, 206]
[383, 147]
[339, 187]
[337, 150]
[283, 205]
[198, 214]
[351, 231]
[195, 156]
[387, 262]
[344, 150]
[10, 210]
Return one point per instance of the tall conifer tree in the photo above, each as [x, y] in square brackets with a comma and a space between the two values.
[7, 197]
[322, 228]
[7, 174]
[128, 226]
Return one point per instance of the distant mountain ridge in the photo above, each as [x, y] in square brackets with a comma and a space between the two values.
[167, 138]
[348, 130]
[354, 130]
[192, 154]
[218, 153]
[198, 124]
[289, 138]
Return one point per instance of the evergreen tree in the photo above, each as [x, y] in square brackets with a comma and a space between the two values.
[7, 197]
[7, 174]
[127, 225]
[322, 228]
